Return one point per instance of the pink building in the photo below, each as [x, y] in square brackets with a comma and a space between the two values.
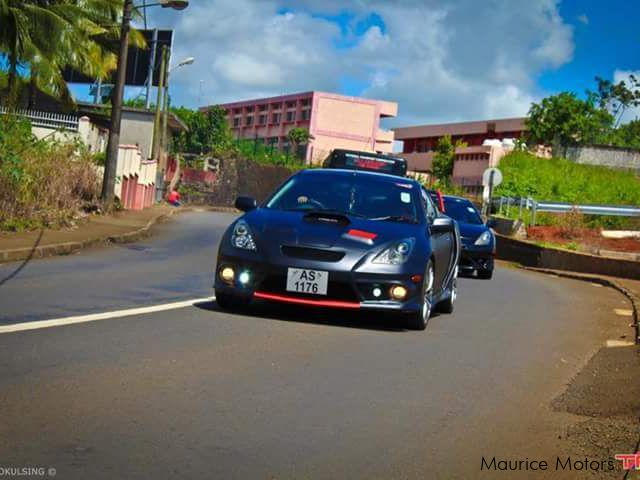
[487, 142]
[335, 121]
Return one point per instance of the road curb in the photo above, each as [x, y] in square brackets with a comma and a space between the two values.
[607, 282]
[67, 248]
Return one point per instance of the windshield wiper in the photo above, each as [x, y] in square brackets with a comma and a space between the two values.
[395, 218]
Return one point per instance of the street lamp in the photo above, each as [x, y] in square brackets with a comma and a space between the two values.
[182, 63]
[162, 104]
[186, 61]
[109, 179]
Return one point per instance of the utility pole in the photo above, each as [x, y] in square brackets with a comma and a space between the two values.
[156, 123]
[152, 65]
[165, 114]
[109, 179]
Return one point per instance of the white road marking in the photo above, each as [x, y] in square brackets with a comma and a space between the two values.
[623, 312]
[596, 284]
[619, 343]
[93, 317]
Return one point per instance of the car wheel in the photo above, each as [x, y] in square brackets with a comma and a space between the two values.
[485, 274]
[446, 306]
[227, 301]
[418, 320]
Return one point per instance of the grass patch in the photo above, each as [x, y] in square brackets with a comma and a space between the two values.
[561, 180]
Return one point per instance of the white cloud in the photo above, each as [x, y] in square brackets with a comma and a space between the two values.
[583, 19]
[440, 61]
[623, 76]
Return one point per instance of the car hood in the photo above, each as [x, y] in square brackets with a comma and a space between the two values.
[470, 232]
[277, 227]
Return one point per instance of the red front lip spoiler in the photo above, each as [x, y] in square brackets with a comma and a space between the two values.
[304, 301]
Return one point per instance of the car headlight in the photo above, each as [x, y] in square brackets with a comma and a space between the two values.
[396, 254]
[484, 239]
[241, 236]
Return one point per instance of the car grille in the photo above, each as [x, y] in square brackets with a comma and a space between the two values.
[335, 290]
[307, 253]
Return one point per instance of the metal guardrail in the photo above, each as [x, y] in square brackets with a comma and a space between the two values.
[55, 121]
[506, 203]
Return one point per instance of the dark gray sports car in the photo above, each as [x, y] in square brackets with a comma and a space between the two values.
[342, 239]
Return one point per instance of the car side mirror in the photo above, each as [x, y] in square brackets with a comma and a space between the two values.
[442, 224]
[246, 204]
[492, 223]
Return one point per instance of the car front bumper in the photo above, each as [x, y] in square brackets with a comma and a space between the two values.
[346, 289]
[476, 258]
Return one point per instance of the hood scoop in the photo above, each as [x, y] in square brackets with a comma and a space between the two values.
[329, 218]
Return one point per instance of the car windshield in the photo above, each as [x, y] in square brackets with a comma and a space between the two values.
[360, 196]
[462, 210]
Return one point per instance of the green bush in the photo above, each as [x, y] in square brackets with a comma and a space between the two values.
[42, 183]
[267, 155]
[561, 180]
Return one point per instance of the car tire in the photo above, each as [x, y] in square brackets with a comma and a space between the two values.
[227, 301]
[485, 274]
[419, 319]
[446, 306]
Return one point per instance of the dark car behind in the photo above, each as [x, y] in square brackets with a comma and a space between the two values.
[478, 241]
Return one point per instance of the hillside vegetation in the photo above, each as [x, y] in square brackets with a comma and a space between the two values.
[561, 180]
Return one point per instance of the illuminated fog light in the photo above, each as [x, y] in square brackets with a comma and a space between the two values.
[244, 278]
[227, 274]
[376, 292]
[398, 292]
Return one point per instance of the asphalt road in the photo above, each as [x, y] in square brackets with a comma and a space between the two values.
[280, 392]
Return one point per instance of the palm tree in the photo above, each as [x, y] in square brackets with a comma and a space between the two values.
[50, 35]
[299, 136]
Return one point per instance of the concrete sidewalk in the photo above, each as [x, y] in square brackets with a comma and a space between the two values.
[122, 226]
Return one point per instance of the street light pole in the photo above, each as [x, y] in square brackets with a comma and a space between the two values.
[156, 122]
[109, 179]
[110, 167]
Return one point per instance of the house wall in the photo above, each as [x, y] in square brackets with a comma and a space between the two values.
[137, 129]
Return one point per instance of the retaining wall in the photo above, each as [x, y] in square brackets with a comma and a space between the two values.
[532, 255]
[606, 156]
[238, 176]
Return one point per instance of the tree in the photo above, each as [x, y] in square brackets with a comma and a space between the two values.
[616, 98]
[565, 120]
[627, 135]
[46, 36]
[207, 131]
[299, 136]
[444, 157]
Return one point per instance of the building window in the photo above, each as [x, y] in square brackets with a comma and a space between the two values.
[275, 118]
[305, 114]
[249, 109]
[248, 121]
[263, 108]
[236, 122]
[291, 116]
[262, 119]
[237, 110]
[305, 102]
[291, 104]
[276, 106]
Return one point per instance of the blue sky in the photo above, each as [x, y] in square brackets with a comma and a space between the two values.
[441, 61]
[607, 39]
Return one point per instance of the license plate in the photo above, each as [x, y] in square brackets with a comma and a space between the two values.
[307, 281]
